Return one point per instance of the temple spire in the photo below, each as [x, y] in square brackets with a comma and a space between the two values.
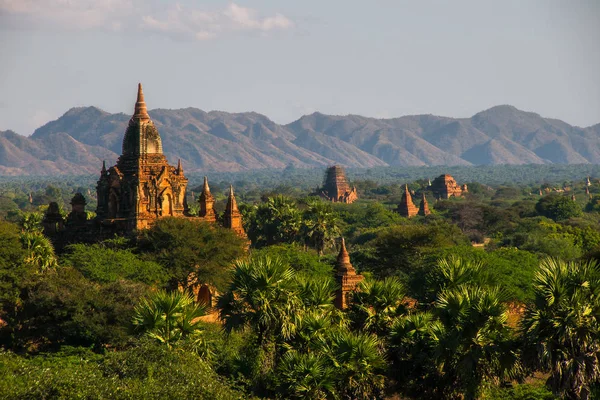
[231, 202]
[141, 112]
[179, 167]
[424, 206]
[232, 218]
[103, 167]
[407, 208]
[346, 277]
[343, 261]
[207, 202]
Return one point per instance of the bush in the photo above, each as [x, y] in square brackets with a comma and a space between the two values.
[143, 372]
[520, 392]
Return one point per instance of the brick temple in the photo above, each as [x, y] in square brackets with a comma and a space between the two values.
[445, 186]
[142, 186]
[336, 188]
[346, 277]
[406, 207]
[139, 189]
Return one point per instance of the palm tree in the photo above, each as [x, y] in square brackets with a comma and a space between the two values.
[562, 326]
[277, 220]
[320, 225]
[412, 343]
[305, 376]
[358, 363]
[31, 222]
[285, 218]
[262, 297]
[39, 251]
[318, 293]
[169, 316]
[473, 344]
[450, 272]
[376, 304]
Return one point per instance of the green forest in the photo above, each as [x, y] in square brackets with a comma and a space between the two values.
[494, 295]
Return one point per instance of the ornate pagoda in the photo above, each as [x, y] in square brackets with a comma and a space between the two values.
[142, 186]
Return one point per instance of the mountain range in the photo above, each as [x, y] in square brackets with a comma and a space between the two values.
[78, 141]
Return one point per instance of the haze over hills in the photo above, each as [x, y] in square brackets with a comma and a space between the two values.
[77, 142]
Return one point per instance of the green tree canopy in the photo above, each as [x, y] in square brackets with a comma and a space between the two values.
[558, 207]
[102, 264]
[184, 246]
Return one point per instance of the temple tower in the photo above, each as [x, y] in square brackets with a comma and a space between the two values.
[142, 186]
[206, 201]
[77, 216]
[336, 188]
[53, 222]
[232, 218]
[406, 207]
[424, 206]
[346, 277]
[445, 186]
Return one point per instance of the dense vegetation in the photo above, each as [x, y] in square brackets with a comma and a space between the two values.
[495, 295]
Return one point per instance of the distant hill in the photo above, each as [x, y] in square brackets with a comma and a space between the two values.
[77, 142]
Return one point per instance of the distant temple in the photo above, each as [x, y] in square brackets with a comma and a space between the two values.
[207, 201]
[135, 192]
[424, 207]
[336, 188]
[346, 277]
[445, 186]
[232, 218]
[407, 208]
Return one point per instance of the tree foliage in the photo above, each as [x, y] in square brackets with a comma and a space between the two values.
[168, 316]
[100, 263]
[183, 246]
[558, 207]
[562, 326]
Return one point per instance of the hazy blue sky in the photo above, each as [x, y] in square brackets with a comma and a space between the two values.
[289, 58]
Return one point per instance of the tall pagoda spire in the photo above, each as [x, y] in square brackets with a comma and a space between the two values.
[407, 208]
[141, 137]
[344, 267]
[207, 201]
[140, 112]
[346, 277]
[424, 206]
[233, 218]
[232, 206]
[179, 169]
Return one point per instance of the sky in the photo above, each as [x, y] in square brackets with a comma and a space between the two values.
[285, 58]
